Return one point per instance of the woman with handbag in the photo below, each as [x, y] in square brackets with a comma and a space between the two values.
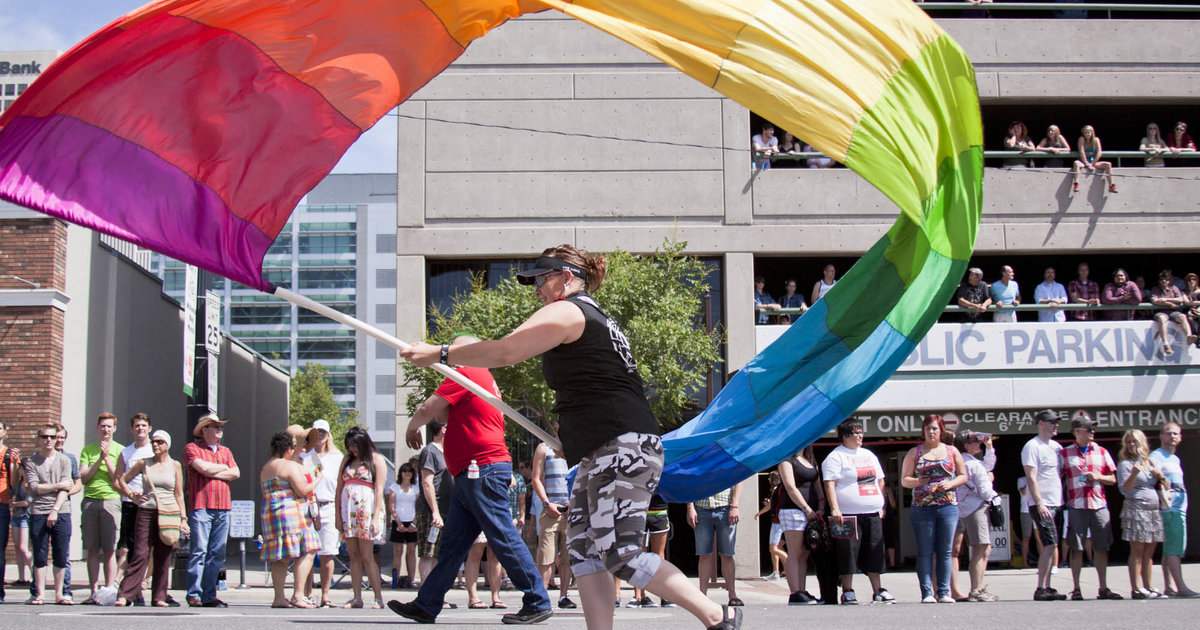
[801, 502]
[975, 498]
[160, 520]
[1139, 479]
[287, 534]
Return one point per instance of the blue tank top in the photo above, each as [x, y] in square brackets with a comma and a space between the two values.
[556, 478]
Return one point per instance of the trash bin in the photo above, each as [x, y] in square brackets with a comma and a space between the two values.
[179, 579]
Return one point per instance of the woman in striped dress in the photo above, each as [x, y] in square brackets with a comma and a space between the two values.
[286, 532]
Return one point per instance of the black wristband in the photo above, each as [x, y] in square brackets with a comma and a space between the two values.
[445, 354]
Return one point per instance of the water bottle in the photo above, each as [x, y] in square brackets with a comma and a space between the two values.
[433, 534]
[473, 470]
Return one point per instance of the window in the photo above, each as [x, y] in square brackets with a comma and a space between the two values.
[385, 421]
[174, 280]
[384, 351]
[10, 89]
[259, 315]
[385, 384]
[305, 316]
[385, 244]
[385, 313]
[327, 243]
[324, 349]
[327, 278]
[341, 384]
[330, 208]
[327, 227]
[282, 244]
[385, 278]
[280, 277]
[275, 349]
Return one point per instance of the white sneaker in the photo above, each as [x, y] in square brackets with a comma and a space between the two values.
[929, 599]
[945, 599]
[1054, 570]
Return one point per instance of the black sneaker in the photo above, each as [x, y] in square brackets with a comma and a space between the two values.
[411, 611]
[799, 598]
[1047, 595]
[666, 603]
[1106, 593]
[648, 603]
[565, 602]
[730, 622]
[1076, 596]
[526, 616]
[1055, 595]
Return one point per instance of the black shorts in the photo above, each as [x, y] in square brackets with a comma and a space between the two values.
[1047, 529]
[865, 554]
[657, 523]
[398, 536]
[129, 512]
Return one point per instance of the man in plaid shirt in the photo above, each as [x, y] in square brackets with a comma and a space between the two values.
[1084, 291]
[1088, 467]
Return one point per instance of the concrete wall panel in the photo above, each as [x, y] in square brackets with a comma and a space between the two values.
[1084, 42]
[574, 136]
[549, 41]
[481, 242]
[486, 86]
[574, 195]
[640, 84]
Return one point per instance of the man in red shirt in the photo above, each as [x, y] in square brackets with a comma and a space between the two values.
[1088, 467]
[474, 433]
[210, 468]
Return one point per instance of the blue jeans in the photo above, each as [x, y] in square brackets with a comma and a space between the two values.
[933, 527]
[714, 525]
[42, 536]
[482, 505]
[210, 531]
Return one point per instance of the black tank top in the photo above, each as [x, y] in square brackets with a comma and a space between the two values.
[598, 391]
[806, 483]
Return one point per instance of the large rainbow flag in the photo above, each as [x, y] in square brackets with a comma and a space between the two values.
[193, 127]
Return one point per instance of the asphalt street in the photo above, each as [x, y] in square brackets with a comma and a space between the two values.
[765, 608]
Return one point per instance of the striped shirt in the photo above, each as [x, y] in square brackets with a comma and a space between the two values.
[206, 493]
[555, 479]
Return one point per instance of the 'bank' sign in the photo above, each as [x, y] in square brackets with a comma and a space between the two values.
[26, 69]
[990, 346]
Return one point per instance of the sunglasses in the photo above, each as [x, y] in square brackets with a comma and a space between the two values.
[48, 437]
[541, 280]
[159, 441]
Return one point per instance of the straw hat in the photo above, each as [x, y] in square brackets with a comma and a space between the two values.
[206, 420]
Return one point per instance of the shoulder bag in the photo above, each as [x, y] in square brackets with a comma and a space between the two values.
[169, 519]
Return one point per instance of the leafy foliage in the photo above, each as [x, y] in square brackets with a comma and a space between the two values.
[657, 300]
[310, 399]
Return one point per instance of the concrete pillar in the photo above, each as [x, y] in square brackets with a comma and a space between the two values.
[739, 326]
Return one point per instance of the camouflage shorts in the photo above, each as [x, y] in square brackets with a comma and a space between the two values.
[606, 518]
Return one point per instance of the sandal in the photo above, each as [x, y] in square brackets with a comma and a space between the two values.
[70, 602]
[34, 601]
[354, 603]
[160, 604]
[498, 605]
[282, 604]
[325, 603]
[733, 601]
[476, 605]
[300, 603]
[378, 605]
[91, 601]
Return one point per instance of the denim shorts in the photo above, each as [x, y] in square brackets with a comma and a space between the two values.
[714, 525]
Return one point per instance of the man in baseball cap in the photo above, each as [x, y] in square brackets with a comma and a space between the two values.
[1042, 463]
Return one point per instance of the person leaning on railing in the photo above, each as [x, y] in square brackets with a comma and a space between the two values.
[1121, 290]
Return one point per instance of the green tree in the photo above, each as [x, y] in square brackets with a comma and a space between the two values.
[310, 398]
[658, 301]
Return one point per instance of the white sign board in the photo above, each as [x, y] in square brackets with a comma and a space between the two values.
[189, 328]
[241, 519]
[214, 374]
[212, 323]
[1034, 346]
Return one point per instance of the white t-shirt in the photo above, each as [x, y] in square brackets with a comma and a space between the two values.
[131, 454]
[1045, 458]
[856, 474]
[326, 487]
[404, 503]
[1022, 488]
